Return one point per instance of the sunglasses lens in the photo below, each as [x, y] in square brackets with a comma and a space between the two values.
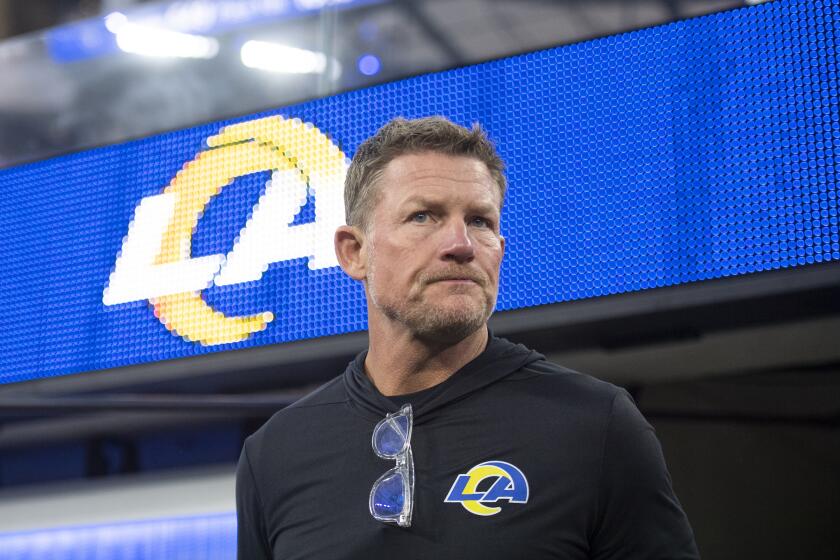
[402, 423]
[391, 436]
[388, 497]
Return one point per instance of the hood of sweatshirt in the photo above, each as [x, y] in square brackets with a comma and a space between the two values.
[499, 359]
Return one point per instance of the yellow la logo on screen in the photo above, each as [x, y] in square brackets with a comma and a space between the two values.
[155, 261]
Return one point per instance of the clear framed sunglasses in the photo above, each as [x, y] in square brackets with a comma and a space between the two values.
[392, 495]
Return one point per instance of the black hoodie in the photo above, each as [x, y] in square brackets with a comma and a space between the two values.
[578, 448]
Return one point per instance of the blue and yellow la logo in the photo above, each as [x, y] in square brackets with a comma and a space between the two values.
[508, 483]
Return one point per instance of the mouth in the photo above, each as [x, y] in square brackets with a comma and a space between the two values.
[455, 281]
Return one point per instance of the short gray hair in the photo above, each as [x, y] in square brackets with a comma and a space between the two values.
[401, 136]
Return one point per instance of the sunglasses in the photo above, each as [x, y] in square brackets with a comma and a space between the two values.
[392, 495]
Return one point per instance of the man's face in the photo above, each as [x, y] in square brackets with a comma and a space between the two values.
[434, 247]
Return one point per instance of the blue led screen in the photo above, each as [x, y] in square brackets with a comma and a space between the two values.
[701, 149]
[205, 537]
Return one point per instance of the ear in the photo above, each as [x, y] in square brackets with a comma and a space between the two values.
[502, 240]
[350, 250]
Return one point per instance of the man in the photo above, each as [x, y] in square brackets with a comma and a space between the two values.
[442, 441]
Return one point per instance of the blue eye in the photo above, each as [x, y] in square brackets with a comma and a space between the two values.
[419, 217]
[480, 222]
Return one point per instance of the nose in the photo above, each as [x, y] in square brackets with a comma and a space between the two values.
[457, 245]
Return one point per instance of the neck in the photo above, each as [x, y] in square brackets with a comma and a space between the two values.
[398, 363]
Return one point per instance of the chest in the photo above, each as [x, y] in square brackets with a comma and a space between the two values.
[483, 489]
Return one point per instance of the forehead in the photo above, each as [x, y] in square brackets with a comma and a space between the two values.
[437, 175]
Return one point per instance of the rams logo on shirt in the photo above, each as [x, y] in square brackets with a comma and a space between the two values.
[508, 483]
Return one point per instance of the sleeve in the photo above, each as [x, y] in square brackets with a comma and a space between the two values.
[639, 516]
[251, 536]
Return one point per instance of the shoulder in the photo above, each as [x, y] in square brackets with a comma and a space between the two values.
[558, 399]
[565, 386]
[319, 405]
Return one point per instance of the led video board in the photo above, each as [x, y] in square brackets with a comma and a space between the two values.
[701, 149]
[209, 537]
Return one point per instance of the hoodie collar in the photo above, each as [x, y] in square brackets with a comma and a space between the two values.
[499, 359]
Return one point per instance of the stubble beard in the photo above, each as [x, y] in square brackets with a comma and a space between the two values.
[432, 323]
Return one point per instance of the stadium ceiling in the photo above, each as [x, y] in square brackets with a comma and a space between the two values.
[59, 98]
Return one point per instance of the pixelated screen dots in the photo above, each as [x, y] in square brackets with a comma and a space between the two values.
[616, 115]
[187, 314]
[317, 165]
[195, 185]
[136, 276]
[172, 271]
[299, 155]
